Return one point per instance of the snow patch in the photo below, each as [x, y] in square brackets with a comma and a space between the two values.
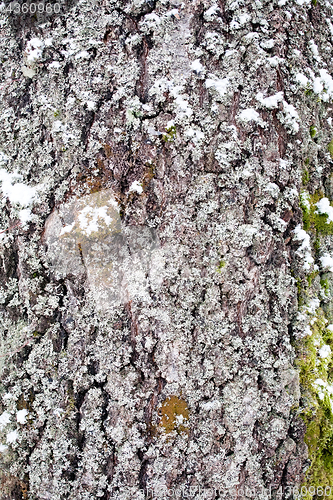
[324, 351]
[305, 249]
[21, 416]
[327, 262]
[249, 114]
[16, 192]
[219, 85]
[4, 420]
[12, 437]
[89, 218]
[34, 50]
[136, 187]
[302, 79]
[197, 66]
[324, 207]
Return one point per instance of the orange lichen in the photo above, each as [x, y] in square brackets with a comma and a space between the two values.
[174, 415]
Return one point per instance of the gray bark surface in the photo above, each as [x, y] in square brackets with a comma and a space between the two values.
[148, 304]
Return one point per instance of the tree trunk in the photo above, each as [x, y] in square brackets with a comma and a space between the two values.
[164, 310]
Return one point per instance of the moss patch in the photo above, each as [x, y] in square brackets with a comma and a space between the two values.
[330, 148]
[170, 134]
[317, 413]
[313, 131]
[312, 220]
[221, 265]
[174, 415]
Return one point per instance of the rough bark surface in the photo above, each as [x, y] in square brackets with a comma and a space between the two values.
[151, 164]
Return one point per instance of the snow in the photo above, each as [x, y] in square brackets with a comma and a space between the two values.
[270, 102]
[322, 389]
[312, 306]
[324, 81]
[302, 79]
[305, 249]
[317, 85]
[267, 44]
[314, 50]
[82, 55]
[324, 207]
[211, 405]
[34, 49]
[183, 106]
[91, 105]
[4, 420]
[3, 158]
[6, 396]
[291, 116]
[244, 18]
[249, 114]
[307, 331]
[219, 85]
[54, 64]
[89, 217]
[16, 192]
[67, 229]
[152, 18]
[173, 12]
[21, 416]
[305, 200]
[211, 11]
[136, 187]
[3, 448]
[12, 437]
[25, 215]
[330, 327]
[196, 135]
[273, 189]
[57, 126]
[327, 262]
[324, 351]
[197, 66]
[275, 61]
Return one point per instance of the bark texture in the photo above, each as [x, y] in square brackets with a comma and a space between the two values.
[152, 155]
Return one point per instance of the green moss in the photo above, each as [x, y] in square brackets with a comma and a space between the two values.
[308, 91]
[305, 177]
[314, 3]
[300, 292]
[325, 285]
[310, 277]
[221, 265]
[330, 148]
[312, 220]
[317, 413]
[313, 131]
[170, 134]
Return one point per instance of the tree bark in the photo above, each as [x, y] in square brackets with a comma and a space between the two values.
[152, 156]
